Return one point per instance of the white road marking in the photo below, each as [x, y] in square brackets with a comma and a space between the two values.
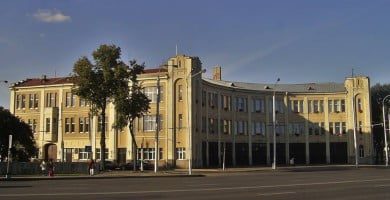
[192, 185]
[276, 193]
[193, 189]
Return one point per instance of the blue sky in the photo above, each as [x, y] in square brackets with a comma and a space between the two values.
[253, 41]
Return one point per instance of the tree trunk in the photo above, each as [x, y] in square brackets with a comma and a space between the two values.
[103, 140]
[131, 125]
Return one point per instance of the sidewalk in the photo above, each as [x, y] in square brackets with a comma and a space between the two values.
[184, 172]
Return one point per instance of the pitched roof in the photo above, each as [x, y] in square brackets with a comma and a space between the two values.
[66, 80]
[298, 88]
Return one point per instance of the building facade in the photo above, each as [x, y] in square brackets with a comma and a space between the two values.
[209, 121]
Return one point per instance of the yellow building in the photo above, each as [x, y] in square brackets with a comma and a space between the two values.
[206, 120]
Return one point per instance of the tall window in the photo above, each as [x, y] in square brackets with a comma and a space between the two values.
[203, 124]
[67, 125]
[297, 106]
[180, 95]
[359, 103]
[361, 151]
[33, 125]
[151, 93]
[212, 123]
[241, 127]
[258, 128]
[342, 105]
[84, 124]
[83, 102]
[31, 101]
[23, 101]
[258, 105]
[51, 99]
[98, 153]
[181, 153]
[180, 121]
[70, 99]
[100, 124]
[204, 96]
[226, 102]
[47, 125]
[149, 122]
[227, 124]
[297, 129]
[18, 103]
[241, 104]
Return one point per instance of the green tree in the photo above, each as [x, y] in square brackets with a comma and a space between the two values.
[99, 82]
[378, 92]
[131, 102]
[23, 145]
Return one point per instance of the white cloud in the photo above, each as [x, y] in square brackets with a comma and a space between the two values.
[51, 16]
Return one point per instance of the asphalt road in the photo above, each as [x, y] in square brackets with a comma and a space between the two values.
[344, 183]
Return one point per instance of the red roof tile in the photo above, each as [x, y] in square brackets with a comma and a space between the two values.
[64, 80]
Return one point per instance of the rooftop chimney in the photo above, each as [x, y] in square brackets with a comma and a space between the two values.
[217, 73]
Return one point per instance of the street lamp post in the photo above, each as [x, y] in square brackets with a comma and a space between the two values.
[190, 75]
[384, 130]
[354, 128]
[274, 123]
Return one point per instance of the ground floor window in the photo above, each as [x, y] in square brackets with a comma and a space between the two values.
[84, 155]
[148, 153]
[98, 153]
[361, 151]
[181, 153]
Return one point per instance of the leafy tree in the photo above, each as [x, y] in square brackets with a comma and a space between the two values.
[131, 102]
[23, 143]
[378, 92]
[99, 82]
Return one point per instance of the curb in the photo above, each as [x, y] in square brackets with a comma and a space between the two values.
[95, 177]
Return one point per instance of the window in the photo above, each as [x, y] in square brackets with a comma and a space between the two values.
[279, 130]
[226, 102]
[343, 128]
[23, 106]
[241, 104]
[297, 129]
[18, 103]
[180, 97]
[86, 122]
[83, 102]
[51, 99]
[258, 105]
[337, 128]
[331, 128]
[258, 128]
[360, 127]
[152, 92]
[343, 105]
[150, 123]
[31, 101]
[70, 99]
[359, 103]
[72, 125]
[181, 153]
[48, 125]
[242, 127]
[212, 123]
[297, 106]
[81, 125]
[84, 155]
[315, 106]
[33, 124]
[180, 121]
[227, 127]
[67, 125]
[148, 153]
[98, 153]
[213, 100]
[100, 124]
[330, 105]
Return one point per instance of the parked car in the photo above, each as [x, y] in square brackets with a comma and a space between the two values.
[129, 166]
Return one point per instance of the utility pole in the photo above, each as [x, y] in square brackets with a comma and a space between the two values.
[156, 151]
